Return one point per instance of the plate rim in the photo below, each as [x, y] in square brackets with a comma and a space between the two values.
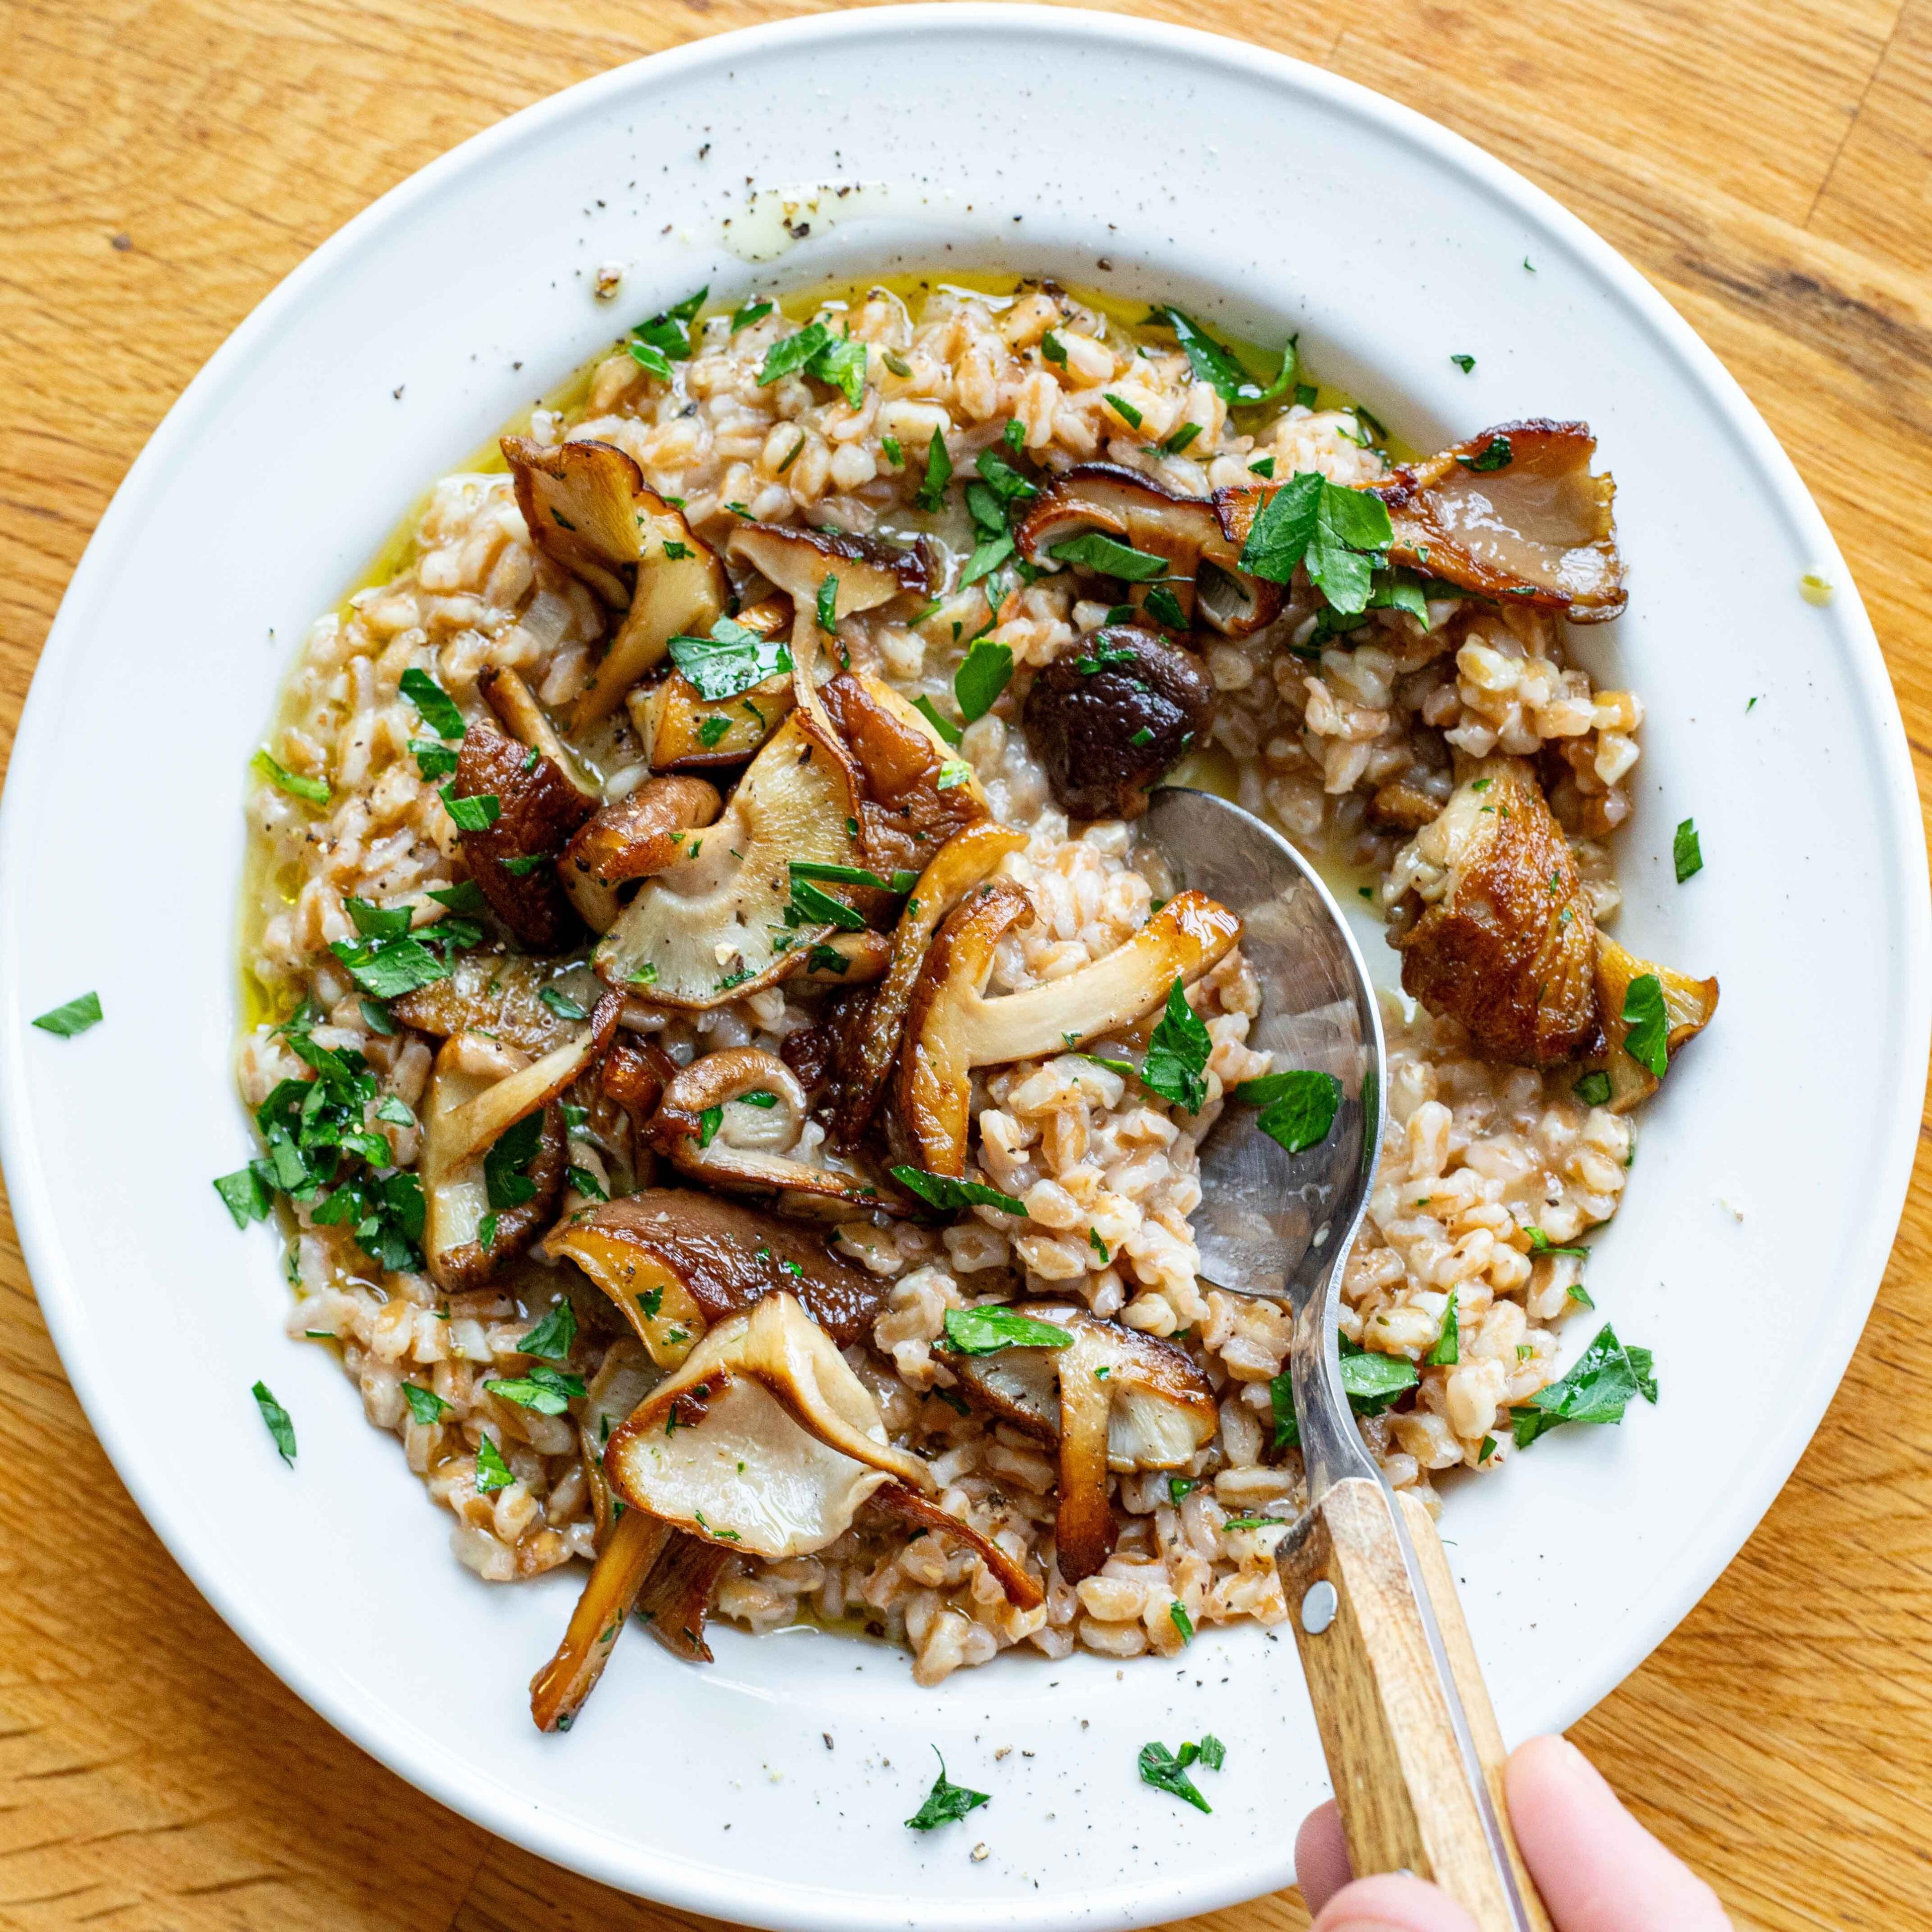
[477, 1795]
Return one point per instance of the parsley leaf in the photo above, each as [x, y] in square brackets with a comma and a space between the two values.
[980, 680]
[1594, 1089]
[1647, 1038]
[1685, 851]
[1217, 365]
[1371, 1382]
[548, 1391]
[828, 605]
[945, 1803]
[792, 352]
[1447, 1351]
[932, 493]
[493, 1473]
[708, 1122]
[1464, 363]
[425, 1405]
[1176, 1064]
[949, 1196]
[1298, 1108]
[1165, 608]
[1092, 551]
[666, 338]
[433, 760]
[561, 1004]
[986, 558]
[985, 1331]
[1606, 1377]
[64, 1022]
[386, 969]
[1494, 455]
[730, 660]
[816, 906]
[1167, 1771]
[475, 813]
[842, 363]
[438, 709]
[248, 1194]
[280, 1426]
[751, 312]
[944, 725]
[312, 791]
[553, 1337]
[504, 1180]
[1342, 535]
[1122, 408]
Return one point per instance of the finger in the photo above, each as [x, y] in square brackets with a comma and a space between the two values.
[1321, 1867]
[1598, 1870]
[1394, 1902]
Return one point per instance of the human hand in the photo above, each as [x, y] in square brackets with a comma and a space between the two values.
[1598, 1870]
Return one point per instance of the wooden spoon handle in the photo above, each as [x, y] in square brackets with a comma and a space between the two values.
[1407, 1803]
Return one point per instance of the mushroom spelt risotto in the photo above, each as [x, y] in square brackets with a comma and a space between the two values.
[733, 1083]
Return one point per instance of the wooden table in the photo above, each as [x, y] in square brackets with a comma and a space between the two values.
[1769, 165]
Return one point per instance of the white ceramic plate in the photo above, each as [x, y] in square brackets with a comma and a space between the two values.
[1273, 198]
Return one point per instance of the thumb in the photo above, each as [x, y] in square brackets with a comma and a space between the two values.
[1392, 1902]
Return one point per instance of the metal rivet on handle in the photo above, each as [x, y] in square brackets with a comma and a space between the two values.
[1318, 1608]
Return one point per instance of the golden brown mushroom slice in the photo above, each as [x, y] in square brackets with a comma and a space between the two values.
[526, 720]
[631, 1549]
[1203, 575]
[673, 1261]
[1495, 928]
[1644, 1025]
[764, 1439]
[472, 1103]
[951, 1027]
[500, 994]
[868, 1043]
[587, 507]
[1023, 1589]
[725, 1119]
[676, 1596]
[510, 849]
[682, 730]
[1513, 513]
[1112, 1399]
[719, 924]
[640, 836]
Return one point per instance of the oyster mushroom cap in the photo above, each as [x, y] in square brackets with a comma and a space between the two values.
[1689, 1006]
[743, 1152]
[588, 508]
[1108, 718]
[714, 926]
[764, 1439]
[673, 1261]
[951, 1027]
[1512, 513]
[868, 1044]
[1495, 928]
[538, 811]
[1114, 1400]
[640, 835]
[797, 561]
[1104, 499]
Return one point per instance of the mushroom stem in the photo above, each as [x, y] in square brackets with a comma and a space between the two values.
[526, 721]
[676, 1595]
[558, 1690]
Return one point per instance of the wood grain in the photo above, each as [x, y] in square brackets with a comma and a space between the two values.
[164, 163]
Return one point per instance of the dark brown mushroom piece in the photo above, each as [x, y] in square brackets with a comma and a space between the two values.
[1495, 928]
[1107, 718]
[673, 1261]
[510, 858]
[468, 1264]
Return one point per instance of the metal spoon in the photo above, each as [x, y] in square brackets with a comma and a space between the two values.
[1411, 1739]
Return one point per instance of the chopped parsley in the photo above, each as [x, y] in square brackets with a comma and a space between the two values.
[425, 1405]
[1144, 735]
[1099, 1246]
[751, 312]
[954, 772]
[1052, 350]
[945, 1803]
[1343, 535]
[1167, 1771]
[814, 350]
[311, 791]
[985, 1331]
[1176, 1066]
[522, 867]
[1686, 853]
[475, 813]
[1647, 1025]
[1177, 1614]
[1371, 1382]
[650, 1301]
[561, 1004]
[493, 1473]
[1103, 555]
[1494, 455]
[1594, 1089]
[1464, 363]
[1540, 1244]
[583, 1182]
[708, 1122]
[950, 1196]
[1181, 438]
[730, 660]
[1122, 408]
[465, 896]
[433, 760]
[828, 605]
[438, 709]
[1447, 1351]
[505, 1180]
[932, 493]
[665, 339]
[280, 1426]
[554, 1336]
[812, 906]
[1601, 1386]
[546, 1390]
[1165, 608]
[987, 557]
[1298, 1108]
[944, 725]
[711, 730]
[75, 1016]
[247, 1195]
[853, 875]
[1217, 366]
[982, 677]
